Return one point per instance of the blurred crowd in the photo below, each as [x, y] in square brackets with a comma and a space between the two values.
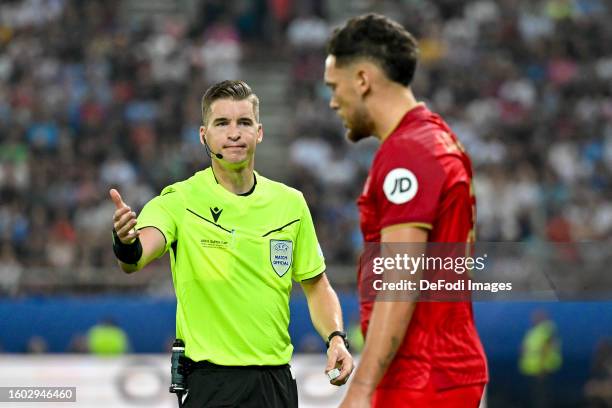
[89, 101]
[526, 85]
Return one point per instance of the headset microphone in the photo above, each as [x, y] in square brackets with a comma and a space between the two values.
[211, 153]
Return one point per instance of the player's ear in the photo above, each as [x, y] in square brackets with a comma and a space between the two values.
[260, 132]
[363, 81]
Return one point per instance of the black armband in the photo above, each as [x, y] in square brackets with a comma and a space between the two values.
[127, 253]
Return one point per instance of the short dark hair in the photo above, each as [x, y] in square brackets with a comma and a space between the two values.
[380, 39]
[235, 90]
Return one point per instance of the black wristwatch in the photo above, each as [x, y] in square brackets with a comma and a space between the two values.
[337, 333]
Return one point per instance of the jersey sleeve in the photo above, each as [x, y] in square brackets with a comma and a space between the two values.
[163, 213]
[308, 257]
[408, 183]
[457, 214]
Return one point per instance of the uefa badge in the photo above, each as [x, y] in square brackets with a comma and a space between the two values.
[281, 255]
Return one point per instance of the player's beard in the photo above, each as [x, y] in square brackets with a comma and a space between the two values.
[360, 126]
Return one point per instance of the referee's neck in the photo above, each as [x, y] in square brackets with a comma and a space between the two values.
[235, 180]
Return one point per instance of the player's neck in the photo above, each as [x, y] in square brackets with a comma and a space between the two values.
[390, 109]
[237, 180]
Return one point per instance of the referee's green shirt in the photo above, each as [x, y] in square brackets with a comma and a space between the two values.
[233, 259]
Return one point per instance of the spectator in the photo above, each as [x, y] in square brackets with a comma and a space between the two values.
[37, 345]
[598, 389]
[107, 339]
[10, 270]
[540, 357]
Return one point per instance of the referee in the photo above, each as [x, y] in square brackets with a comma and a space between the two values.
[236, 242]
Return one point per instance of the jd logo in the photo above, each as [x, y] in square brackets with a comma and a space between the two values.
[400, 186]
[281, 255]
[216, 213]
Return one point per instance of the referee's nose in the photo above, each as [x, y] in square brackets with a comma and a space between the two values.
[234, 132]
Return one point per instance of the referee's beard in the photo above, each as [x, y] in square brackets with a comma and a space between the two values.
[360, 126]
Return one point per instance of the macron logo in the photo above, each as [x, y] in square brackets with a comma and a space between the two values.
[216, 213]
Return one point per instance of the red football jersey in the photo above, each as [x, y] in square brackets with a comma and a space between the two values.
[422, 175]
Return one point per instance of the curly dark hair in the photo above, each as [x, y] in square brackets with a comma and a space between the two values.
[380, 39]
[236, 90]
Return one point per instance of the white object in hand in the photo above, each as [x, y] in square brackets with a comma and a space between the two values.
[333, 374]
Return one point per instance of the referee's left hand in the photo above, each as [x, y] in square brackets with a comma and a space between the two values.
[339, 357]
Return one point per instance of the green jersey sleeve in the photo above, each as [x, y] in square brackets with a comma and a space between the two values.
[163, 213]
[308, 257]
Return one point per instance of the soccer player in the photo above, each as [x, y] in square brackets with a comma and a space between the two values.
[236, 241]
[418, 190]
